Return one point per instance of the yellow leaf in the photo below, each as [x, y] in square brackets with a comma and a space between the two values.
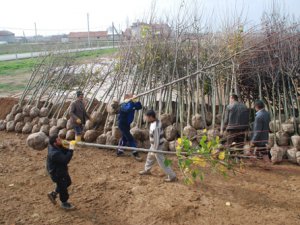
[199, 161]
[204, 131]
[222, 156]
[222, 168]
[179, 141]
[178, 148]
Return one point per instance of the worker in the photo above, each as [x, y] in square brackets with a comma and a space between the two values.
[260, 136]
[236, 121]
[57, 166]
[156, 140]
[125, 118]
[78, 115]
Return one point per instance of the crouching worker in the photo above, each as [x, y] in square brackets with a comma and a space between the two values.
[156, 141]
[57, 165]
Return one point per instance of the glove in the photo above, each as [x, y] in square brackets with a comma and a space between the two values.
[78, 121]
[134, 99]
[127, 100]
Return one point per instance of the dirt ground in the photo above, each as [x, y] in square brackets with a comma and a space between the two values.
[108, 190]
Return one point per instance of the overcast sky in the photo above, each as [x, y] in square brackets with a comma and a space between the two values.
[63, 16]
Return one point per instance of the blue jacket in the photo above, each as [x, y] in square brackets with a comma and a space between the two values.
[127, 109]
[58, 160]
[261, 128]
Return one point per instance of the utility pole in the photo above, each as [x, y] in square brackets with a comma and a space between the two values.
[35, 31]
[113, 34]
[88, 26]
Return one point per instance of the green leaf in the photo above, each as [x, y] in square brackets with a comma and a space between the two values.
[168, 162]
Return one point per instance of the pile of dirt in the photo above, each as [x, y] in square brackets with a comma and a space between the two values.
[6, 106]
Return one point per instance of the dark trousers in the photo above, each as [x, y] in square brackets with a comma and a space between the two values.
[237, 136]
[127, 138]
[62, 184]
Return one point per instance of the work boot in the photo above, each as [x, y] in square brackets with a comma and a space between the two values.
[170, 179]
[52, 197]
[120, 153]
[67, 206]
[137, 157]
[145, 172]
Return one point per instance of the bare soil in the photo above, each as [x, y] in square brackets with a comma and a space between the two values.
[108, 190]
[6, 105]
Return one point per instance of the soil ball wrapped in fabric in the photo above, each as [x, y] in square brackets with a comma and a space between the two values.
[35, 121]
[16, 109]
[91, 135]
[69, 125]
[19, 126]
[139, 144]
[137, 133]
[10, 126]
[61, 123]
[45, 129]
[166, 120]
[2, 125]
[34, 112]
[37, 141]
[197, 122]
[298, 157]
[208, 117]
[26, 110]
[19, 117]
[145, 134]
[147, 144]
[190, 132]
[288, 128]
[247, 149]
[113, 107]
[171, 133]
[89, 125]
[43, 112]
[70, 135]
[27, 119]
[101, 139]
[10, 117]
[62, 133]
[116, 133]
[53, 131]
[44, 121]
[98, 117]
[218, 119]
[110, 140]
[296, 141]
[277, 154]
[291, 154]
[27, 128]
[213, 133]
[271, 141]
[282, 138]
[53, 122]
[274, 126]
[36, 128]
[172, 146]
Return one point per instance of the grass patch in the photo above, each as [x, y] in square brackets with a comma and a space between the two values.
[11, 87]
[94, 53]
[12, 67]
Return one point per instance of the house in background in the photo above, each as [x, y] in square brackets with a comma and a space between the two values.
[7, 36]
[83, 36]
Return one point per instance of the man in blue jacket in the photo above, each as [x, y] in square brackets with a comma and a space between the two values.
[57, 165]
[126, 116]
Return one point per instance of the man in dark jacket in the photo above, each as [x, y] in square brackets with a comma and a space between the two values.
[78, 115]
[57, 165]
[236, 121]
[126, 116]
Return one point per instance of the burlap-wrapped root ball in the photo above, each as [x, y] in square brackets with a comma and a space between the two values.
[190, 132]
[98, 117]
[113, 107]
[146, 134]
[19, 117]
[137, 133]
[282, 138]
[110, 140]
[218, 119]
[291, 154]
[53, 122]
[69, 125]
[274, 126]
[247, 150]
[147, 144]
[62, 133]
[27, 119]
[208, 117]
[37, 141]
[298, 157]
[44, 121]
[91, 135]
[70, 135]
[35, 121]
[53, 131]
[288, 128]
[166, 120]
[89, 125]
[197, 122]
[101, 139]
[271, 140]
[45, 129]
[27, 128]
[36, 128]
[26, 110]
[9, 117]
[10, 126]
[44, 112]
[61, 123]
[116, 133]
[2, 125]
[296, 141]
[172, 146]
[34, 112]
[277, 154]
[213, 133]
[171, 133]
[19, 126]
[16, 109]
